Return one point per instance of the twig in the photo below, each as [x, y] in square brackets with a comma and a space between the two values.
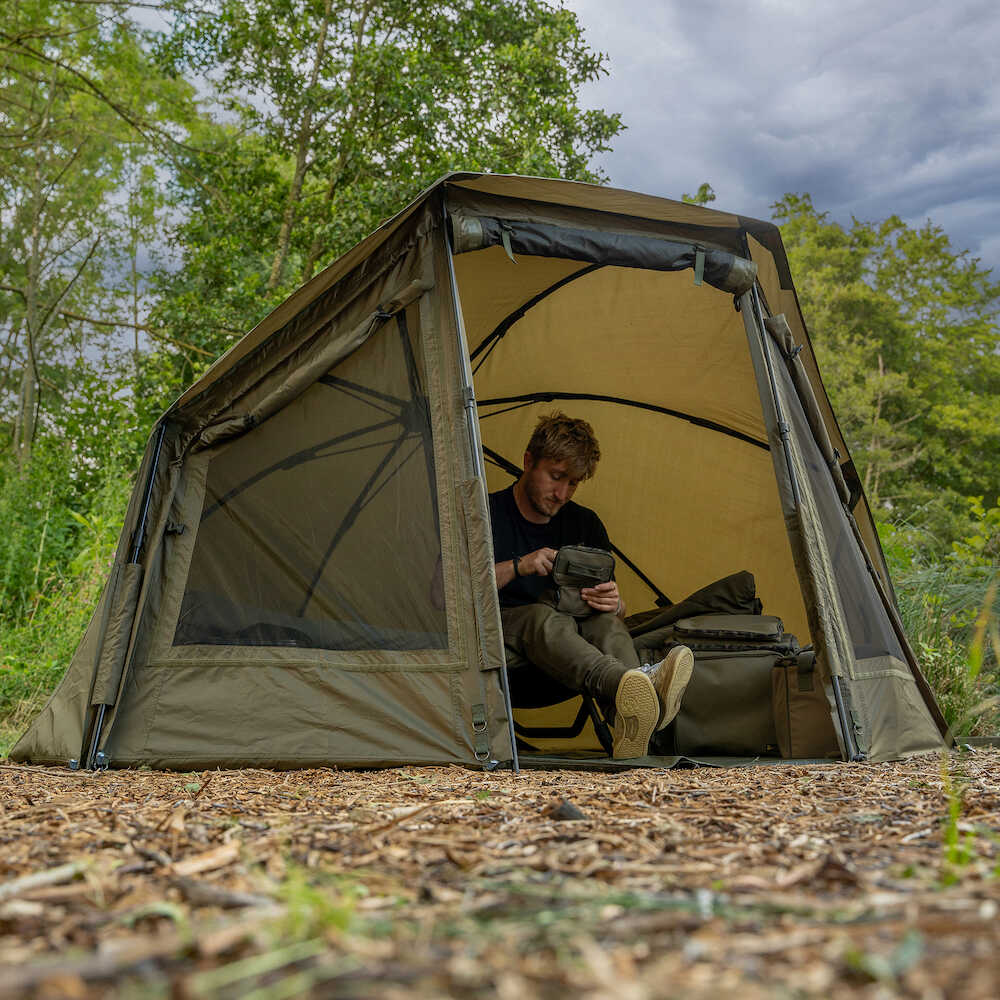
[151, 330]
[52, 876]
[151, 854]
[401, 819]
[203, 786]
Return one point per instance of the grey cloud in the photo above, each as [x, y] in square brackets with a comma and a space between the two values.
[875, 108]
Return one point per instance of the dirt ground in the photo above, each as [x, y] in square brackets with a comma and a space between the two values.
[827, 881]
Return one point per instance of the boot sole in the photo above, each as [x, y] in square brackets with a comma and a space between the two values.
[637, 709]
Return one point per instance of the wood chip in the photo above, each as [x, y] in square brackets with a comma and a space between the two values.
[209, 861]
[835, 880]
[52, 876]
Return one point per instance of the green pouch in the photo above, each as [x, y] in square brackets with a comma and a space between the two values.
[577, 566]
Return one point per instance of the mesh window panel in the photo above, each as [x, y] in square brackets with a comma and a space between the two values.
[871, 631]
[320, 526]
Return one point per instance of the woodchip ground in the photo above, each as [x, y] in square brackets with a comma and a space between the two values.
[780, 881]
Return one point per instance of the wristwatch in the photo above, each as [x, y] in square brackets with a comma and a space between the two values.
[517, 559]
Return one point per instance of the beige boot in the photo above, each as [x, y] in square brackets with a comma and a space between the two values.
[637, 709]
[670, 677]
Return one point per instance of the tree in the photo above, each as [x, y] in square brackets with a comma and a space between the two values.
[339, 111]
[64, 156]
[702, 196]
[906, 330]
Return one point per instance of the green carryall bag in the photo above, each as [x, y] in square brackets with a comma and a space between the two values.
[727, 707]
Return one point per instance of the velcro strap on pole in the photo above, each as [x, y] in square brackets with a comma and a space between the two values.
[699, 265]
[505, 232]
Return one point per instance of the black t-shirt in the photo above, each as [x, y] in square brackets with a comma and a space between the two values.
[514, 535]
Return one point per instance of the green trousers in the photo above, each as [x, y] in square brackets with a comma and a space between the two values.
[588, 654]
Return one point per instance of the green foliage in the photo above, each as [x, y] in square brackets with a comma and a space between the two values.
[966, 845]
[314, 910]
[342, 113]
[31, 534]
[56, 551]
[888, 969]
[950, 609]
[88, 125]
[702, 196]
[981, 547]
[905, 328]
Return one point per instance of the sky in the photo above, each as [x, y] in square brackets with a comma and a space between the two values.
[874, 108]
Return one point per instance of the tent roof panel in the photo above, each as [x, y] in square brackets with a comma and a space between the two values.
[599, 198]
[574, 194]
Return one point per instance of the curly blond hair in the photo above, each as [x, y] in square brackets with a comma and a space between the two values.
[566, 439]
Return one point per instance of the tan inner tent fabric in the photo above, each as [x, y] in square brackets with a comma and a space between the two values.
[687, 503]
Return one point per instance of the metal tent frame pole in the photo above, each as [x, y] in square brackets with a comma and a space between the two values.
[850, 745]
[138, 540]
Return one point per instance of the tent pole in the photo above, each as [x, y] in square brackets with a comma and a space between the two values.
[888, 604]
[140, 531]
[850, 746]
[783, 428]
[476, 444]
[137, 541]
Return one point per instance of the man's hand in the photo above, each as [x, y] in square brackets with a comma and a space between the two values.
[603, 597]
[537, 563]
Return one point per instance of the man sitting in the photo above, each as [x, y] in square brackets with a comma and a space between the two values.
[532, 519]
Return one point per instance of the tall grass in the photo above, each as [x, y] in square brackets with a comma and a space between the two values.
[948, 611]
[49, 598]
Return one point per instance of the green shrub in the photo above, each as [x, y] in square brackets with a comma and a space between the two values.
[941, 603]
[50, 600]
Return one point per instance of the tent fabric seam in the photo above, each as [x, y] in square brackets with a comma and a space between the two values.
[450, 667]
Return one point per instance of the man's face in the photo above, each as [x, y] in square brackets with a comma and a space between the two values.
[548, 484]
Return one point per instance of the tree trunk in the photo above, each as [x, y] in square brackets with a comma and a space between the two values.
[873, 472]
[316, 247]
[24, 427]
[301, 158]
[28, 398]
